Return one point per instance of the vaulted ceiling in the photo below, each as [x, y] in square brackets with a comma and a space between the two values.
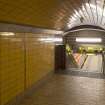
[53, 14]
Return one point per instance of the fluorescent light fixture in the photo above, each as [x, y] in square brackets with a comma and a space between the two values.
[7, 33]
[77, 13]
[91, 5]
[89, 40]
[51, 39]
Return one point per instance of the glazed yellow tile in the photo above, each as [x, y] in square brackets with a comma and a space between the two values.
[35, 61]
[11, 67]
[39, 62]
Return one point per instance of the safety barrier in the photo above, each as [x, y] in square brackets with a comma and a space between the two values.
[82, 64]
[71, 62]
[80, 59]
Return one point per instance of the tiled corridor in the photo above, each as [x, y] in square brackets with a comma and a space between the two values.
[69, 90]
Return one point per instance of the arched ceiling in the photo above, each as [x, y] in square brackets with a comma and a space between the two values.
[81, 27]
[53, 14]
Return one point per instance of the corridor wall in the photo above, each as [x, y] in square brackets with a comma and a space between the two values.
[39, 58]
[24, 60]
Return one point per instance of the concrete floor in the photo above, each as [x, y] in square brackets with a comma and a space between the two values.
[93, 63]
[69, 90]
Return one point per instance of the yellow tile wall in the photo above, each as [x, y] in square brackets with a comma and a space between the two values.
[40, 58]
[11, 67]
[14, 78]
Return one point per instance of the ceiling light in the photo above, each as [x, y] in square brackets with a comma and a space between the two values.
[51, 39]
[7, 33]
[77, 13]
[89, 40]
[91, 5]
